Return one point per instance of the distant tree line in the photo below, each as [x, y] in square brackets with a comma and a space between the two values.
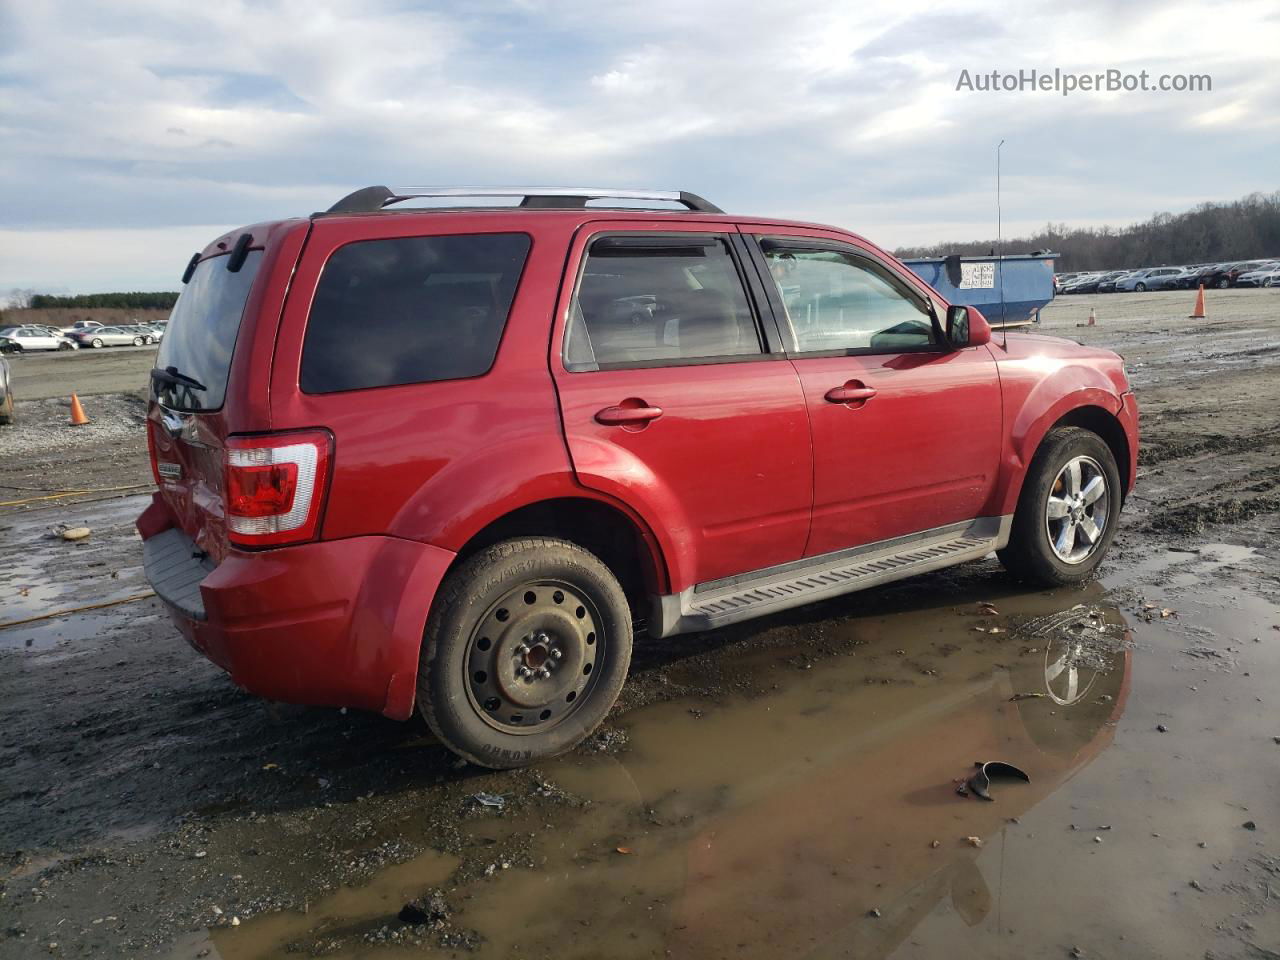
[105, 301]
[1246, 229]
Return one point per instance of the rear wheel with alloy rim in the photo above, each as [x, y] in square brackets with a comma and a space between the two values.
[1066, 514]
[525, 651]
[97, 342]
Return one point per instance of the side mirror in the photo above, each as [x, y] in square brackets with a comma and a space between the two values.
[966, 327]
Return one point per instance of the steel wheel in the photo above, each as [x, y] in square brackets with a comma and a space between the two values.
[1078, 510]
[534, 656]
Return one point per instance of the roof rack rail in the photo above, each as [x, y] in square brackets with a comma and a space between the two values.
[373, 199]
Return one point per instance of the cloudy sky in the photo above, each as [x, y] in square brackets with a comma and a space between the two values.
[135, 131]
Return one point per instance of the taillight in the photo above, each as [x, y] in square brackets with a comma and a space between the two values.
[152, 454]
[274, 487]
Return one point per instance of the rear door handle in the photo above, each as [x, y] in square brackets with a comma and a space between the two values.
[627, 416]
[854, 391]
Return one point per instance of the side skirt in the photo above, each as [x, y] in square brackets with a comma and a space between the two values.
[721, 602]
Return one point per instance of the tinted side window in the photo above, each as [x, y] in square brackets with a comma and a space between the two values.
[202, 333]
[410, 310]
[837, 301]
[652, 299]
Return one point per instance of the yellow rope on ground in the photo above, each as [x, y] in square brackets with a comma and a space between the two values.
[90, 606]
[74, 493]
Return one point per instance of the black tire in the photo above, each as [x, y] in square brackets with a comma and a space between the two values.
[565, 602]
[1223, 283]
[138, 341]
[97, 343]
[65, 346]
[1140, 287]
[1030, 555]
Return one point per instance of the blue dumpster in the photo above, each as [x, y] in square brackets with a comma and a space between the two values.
[976, 281]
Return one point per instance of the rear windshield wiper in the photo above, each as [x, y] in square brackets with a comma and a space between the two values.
[171, 375]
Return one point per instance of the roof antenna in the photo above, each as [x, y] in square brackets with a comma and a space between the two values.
[1004, 320]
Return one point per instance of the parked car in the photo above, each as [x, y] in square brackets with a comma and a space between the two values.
[34, 338]
[80, 325]
[1258, 276]
[1107, 284]
[1145, 279]
[468, 507]
[1224, 275]
[6, 393]
[109, 337]
[1090, 283]
[157, 331]
[143, 330]
[1169, 281]
[1078, 280]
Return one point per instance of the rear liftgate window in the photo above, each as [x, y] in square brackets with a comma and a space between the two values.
[410, 310]
[202, 331]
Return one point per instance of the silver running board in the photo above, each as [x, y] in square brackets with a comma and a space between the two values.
[721, 602]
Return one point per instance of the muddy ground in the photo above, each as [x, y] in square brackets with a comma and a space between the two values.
[785, 788]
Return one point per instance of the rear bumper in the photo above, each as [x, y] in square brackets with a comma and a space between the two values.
[334, 623]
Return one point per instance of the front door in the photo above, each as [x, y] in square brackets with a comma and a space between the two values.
[906, 431]
[673, 402]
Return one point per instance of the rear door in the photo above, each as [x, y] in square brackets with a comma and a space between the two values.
[906, 433]
[676, 403]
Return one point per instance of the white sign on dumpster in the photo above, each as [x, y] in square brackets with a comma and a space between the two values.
[977, 276]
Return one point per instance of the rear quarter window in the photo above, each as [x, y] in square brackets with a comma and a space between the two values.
[410, 310]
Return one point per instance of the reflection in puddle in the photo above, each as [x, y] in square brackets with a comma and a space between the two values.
[818, 818]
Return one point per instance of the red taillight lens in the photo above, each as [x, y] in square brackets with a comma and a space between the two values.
[152, 454]
[274, 487]
[265, 491]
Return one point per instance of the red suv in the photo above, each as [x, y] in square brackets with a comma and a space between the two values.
[454, 457]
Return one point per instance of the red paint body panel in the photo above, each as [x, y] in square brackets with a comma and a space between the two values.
[1042, 379]
[725, 472]
[747, 466]
[336, 623]
[922, 453]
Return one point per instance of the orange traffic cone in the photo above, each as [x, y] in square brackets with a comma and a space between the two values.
[1198, 312]
[1093, 317]
[78, 419]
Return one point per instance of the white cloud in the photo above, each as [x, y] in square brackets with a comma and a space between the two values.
[150, 115]
[85, 260]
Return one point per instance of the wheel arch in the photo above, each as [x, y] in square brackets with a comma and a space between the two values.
[621, 540]
[1104, 423]
[1089, 414]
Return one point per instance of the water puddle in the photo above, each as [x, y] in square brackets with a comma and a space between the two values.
[1193, 566]
[40, 573]
[777, 821]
